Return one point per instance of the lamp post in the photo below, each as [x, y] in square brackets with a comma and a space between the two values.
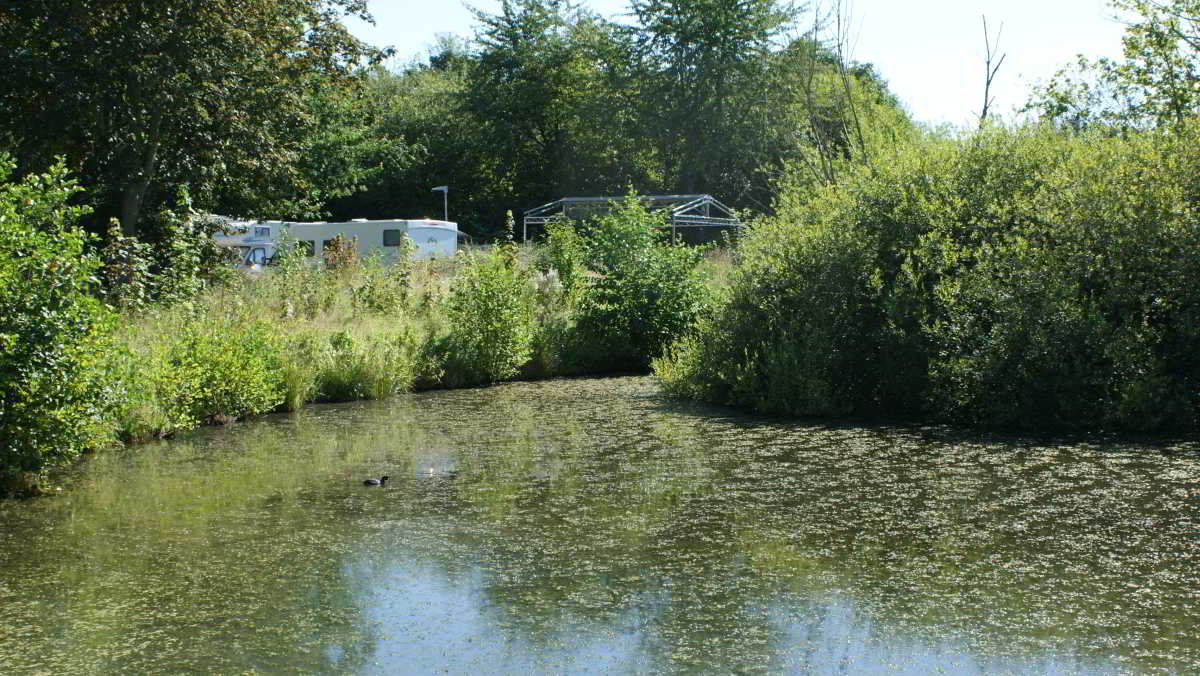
[445, 190]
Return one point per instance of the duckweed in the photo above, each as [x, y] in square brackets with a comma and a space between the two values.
[592, 526]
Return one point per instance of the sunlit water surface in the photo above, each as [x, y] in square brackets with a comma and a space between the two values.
[591, 526]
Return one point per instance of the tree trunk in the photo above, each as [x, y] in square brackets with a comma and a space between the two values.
[135, 192]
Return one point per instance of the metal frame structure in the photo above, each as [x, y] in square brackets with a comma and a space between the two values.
[684, 211]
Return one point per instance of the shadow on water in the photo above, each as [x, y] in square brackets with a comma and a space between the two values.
[593, 526]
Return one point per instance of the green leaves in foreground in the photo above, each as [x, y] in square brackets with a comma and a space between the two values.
[490, 311]
[646, 293]
[51, 329]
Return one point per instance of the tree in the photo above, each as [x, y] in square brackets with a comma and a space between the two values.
[1157, 83]
[142, 98]
[550, 91]
[424, 140]
[539, 105]
[705, 62]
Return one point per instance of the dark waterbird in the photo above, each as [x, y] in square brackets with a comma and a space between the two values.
[376, 482]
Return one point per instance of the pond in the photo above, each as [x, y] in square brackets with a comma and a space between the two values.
[593, 526]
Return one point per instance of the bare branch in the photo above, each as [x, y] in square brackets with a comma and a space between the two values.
[990, 70]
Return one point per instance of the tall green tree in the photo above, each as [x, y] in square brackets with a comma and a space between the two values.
[145, 98]
[550, 91]
[1156, 84]
[704, 62]
[548, 101]
[542, 103]
[424, 140]
[519, 90]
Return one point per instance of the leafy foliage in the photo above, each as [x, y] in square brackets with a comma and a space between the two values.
[181, 261]
[1155, 84]
[550, 100]
[181, 368]
[490, 312]
[705, 61]
[646, 294]
[1019, 278]
[52, 390]
[386, 284]
[565, 254]
[222, 98]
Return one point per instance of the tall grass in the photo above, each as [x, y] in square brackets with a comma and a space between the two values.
[298, 333]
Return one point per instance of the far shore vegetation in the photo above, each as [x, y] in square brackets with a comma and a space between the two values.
[1039, 274]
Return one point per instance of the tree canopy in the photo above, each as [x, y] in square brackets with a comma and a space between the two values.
[1156, 84]
[269, 108]
[549, 100]
[220, 98]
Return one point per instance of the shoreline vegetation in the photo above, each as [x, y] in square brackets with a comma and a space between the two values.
[347, 329]
[1015, 278]
[1026, 279]
[1031, 275]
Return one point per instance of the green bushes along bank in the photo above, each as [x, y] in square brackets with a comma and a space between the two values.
[51, 329]
[77, 375]
[1024, 278]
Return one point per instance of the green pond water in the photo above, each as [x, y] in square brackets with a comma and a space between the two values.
[592, 526]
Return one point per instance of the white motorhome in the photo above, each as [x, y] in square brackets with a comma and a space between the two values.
[257, 242]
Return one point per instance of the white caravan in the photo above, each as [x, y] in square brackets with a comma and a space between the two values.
[257, 241]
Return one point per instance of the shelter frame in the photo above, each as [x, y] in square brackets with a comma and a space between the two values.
[683, 211]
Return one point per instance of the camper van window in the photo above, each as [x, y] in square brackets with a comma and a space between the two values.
[326, 245]
[262, 231]
[307, 246]
[392, 237]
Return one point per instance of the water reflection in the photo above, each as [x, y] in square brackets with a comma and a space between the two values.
[589, 526]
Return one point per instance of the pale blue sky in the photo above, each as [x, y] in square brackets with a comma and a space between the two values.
[930, 51]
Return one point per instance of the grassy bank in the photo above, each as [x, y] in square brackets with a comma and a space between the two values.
[593, 299]
[299, 334]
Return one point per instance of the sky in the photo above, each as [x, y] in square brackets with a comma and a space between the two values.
[931, 52]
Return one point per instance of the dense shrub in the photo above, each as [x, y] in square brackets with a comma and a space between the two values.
[232, 368]
[51, 328]
[352, 368]
[490, 316]
[177, 263]
[645, 293]
[1015, 277]
[385, 284]
[565, 255]
[188, 367]
[298, 288]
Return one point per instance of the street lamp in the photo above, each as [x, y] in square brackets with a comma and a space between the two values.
[445, 190]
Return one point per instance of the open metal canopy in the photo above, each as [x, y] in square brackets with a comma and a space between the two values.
[684, 211]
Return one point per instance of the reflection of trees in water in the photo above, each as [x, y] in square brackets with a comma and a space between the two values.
[204, 557]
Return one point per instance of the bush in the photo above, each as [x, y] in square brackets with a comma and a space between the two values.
[232, 368]
[385, 285]
[647, 291]
[1021, 278]
[565, 255]
[490, 313]
[184, 367]
[352, 369]
[795, 333]
[179, 260]
[52, 331]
